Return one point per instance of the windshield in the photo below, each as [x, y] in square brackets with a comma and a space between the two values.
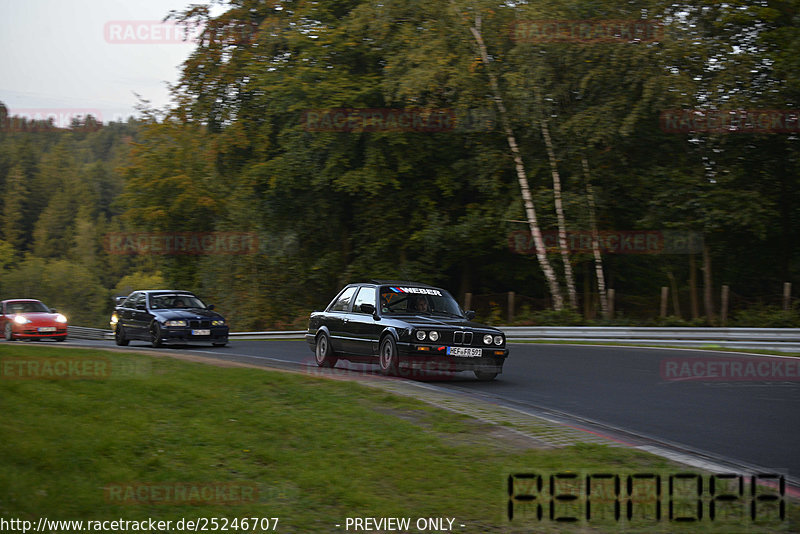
[31, 306]
[418, 300]
[175, 301]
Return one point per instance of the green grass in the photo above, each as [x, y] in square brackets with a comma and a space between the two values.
[317, 450]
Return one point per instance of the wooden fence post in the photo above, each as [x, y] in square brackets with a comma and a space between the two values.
[467, 301]
[723, 313]
[664, 296]
[510, 307]
[787, 295]
[610, 303]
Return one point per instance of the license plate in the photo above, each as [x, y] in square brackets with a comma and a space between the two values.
[47, 329]
[201, 332]
[465, 351]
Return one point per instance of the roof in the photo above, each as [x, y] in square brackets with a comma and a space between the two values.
[400, 283]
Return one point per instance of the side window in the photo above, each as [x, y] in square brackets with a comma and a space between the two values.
[135, 300]
[365, 296]
[343, 302]
[130, 302]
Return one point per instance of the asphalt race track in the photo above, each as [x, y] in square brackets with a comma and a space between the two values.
[636, 395]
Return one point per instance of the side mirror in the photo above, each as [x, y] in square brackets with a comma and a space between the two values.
[119, 300]
[53, 310]
[210, 307]
[141, 307]
[368, 308]
[469, 314]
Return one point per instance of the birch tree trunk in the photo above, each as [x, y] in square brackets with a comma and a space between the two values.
[522, 178]
[562, 226]
[598, 258]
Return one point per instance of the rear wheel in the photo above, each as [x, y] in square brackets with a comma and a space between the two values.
[9, 332]
[155, 335]
[485, 376]
[323, 352]
[119, 336]
[61, 338]
[389, 359]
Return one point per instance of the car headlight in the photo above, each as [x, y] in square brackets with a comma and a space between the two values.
[21, 319]
[218, 322]
[114, 319]
[421, 335]
[498, 340]
[433, 336]
[487, 339]
[175, 323]
[61, 319]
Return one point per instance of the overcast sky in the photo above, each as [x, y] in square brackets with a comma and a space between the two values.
[72, 56]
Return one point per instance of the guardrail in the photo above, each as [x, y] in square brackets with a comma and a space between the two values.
[84, 332]
[779, 339]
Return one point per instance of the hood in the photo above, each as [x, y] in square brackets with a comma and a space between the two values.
[188, 313]
[442, 321]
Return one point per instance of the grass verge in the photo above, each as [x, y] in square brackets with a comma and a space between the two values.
[149, 436]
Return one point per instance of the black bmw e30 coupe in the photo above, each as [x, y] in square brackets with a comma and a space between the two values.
[404, 325]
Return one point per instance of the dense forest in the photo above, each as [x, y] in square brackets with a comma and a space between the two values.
[471, 145]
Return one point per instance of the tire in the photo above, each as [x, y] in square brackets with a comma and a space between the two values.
[219, 344]
[9, 332]
[155, 335]
[388, 357]
[485, 376]
[119, 336]
[61, 338]
[323, 352]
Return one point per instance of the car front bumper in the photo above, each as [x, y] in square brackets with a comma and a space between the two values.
[34, 333]
[435, 358]
[179, 336]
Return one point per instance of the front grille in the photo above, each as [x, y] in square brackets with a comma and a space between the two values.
[462, 338]
[200, 324]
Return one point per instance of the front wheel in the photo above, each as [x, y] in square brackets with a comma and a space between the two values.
[485, 376]
[9, 332]
[389, 359]
[155, 335]
[119, 336]
[323, 353]
[219, 344]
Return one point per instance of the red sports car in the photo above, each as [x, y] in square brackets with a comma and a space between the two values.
[31, 319]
